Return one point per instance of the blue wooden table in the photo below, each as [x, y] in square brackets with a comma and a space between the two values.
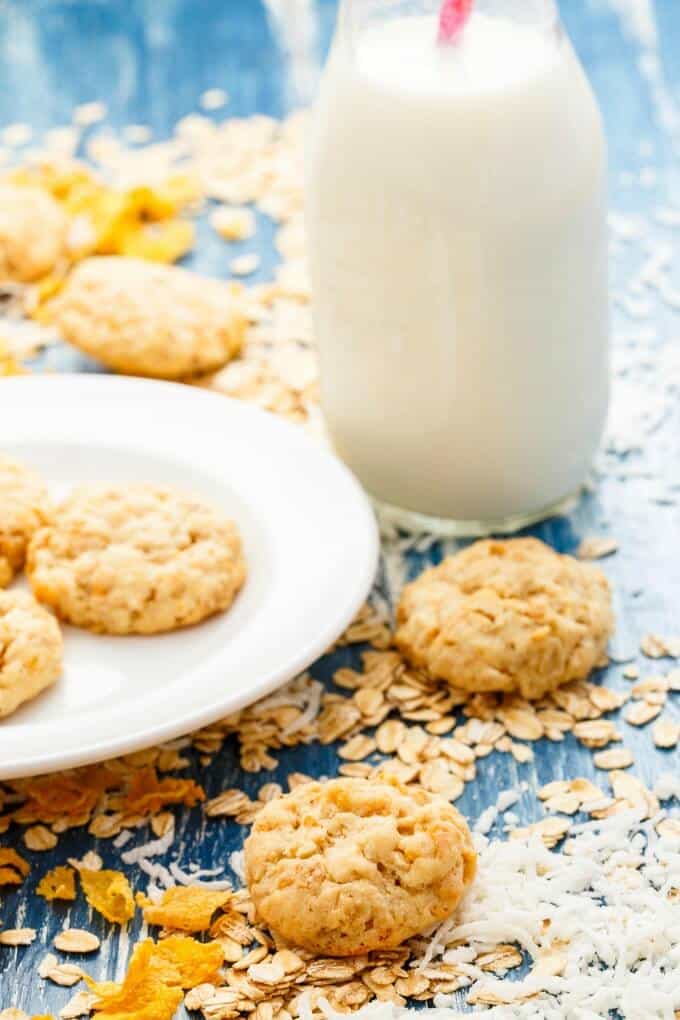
[150, 61]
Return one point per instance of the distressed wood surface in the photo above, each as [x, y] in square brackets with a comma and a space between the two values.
[150, 61]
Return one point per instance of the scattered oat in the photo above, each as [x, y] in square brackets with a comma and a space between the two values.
[642, 712]
[89, 113]
[17, 936]
[65, 974]
[77, 940]
[549, 830]
[666, 733]
[16, 135]
[633, 792]
[213, 99]
[596, 548]
[78, 1005]
[654, 646]
[613, 758]
[39, 837]
[137, 134]
[90, 860]
[233, 223]
[244, 265]
[596, 733]
[357, 748]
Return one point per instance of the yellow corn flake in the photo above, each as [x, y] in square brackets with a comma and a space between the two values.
[157, 242]
[13, 867]
[147, 794]
[58, 884]
[149, 999]
[185, 962]
[164, 201]
[48, 288]
[8, 363]
[108, 892]
[69, 796]
[184, 908]
[143, 995]
[61, 180]
[141, 221]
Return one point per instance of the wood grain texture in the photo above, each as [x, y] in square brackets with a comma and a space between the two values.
[150, 61]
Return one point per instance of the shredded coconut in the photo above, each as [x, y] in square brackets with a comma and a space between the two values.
[194, 877]
[612, 939]
[153, 848]
[237, 865]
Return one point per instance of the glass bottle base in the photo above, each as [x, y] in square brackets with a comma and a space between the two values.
[393, 518]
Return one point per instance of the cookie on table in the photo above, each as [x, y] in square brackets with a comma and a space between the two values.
[33, 229]
[142, 318]
[24, 507]
[135, 559]
[507, 616]
[351, 865]
[31, 650]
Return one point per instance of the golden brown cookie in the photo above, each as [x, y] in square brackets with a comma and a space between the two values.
[24, 507]
[33, 230]
[351, 865]
[142, 318]
[31, 650]
[136, 559]
[506, 616]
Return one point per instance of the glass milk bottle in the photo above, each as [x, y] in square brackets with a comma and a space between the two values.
[458, 252]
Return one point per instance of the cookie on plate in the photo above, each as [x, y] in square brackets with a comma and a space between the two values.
[24, 507]
[506, 616]
[31, 650]
[142, 318]
[351, 865]
[33, 229]
[135, 559]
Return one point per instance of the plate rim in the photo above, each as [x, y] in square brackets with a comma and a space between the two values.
[149, 734]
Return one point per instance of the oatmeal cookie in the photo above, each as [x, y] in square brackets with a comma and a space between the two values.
[142, 318]
[351, 865]
[24, 507]
[31, 650]
[506, 616]
[33, 231]
[135, 559]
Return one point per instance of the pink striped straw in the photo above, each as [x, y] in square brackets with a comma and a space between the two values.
[453, 17]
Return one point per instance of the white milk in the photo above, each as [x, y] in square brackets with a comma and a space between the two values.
[457, 229]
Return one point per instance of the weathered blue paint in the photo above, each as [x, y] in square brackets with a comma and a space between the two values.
[150, 60]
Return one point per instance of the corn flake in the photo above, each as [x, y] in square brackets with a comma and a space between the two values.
[69, 796]
[148, 999]
[58, 884]
[157, 242]
[13, 867]
[108, 892]
[188, 963]
[143, 995]
[184, 908]
[147, 793]
[139, 221]
[8, 363]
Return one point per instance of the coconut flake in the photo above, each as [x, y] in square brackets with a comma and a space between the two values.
[153, 848]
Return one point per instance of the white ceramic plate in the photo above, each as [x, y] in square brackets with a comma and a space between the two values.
[310, 541]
